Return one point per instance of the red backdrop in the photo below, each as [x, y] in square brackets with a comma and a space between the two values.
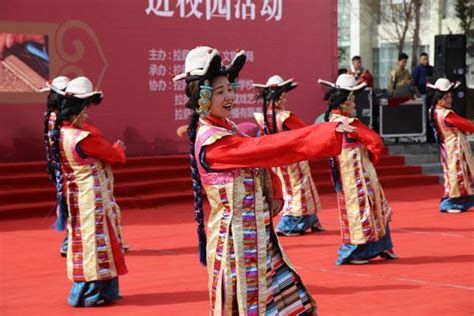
[131, 49]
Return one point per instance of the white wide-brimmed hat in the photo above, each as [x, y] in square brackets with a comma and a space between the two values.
[276, 81]
[58, 84]
[345, 82]
[444, 85]
[202, 59]
[81, 88]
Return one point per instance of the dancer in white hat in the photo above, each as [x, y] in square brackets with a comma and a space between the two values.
[301, 200]
[456, 157]
[249, 273]
[364, 211]
[81, 160]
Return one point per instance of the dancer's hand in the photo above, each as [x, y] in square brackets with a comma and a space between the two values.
[345, 128]
[182, 131]
[121, 144]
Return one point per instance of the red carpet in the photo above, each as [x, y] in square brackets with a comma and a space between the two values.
[435, 275]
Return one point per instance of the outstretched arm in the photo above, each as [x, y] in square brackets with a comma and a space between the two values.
[294, 122]
[315, 141]
[460, 122]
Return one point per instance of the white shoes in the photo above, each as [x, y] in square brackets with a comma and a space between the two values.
[356, 261]
[454, 211]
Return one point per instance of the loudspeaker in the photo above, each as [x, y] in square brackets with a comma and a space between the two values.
[363, 101]
[450, 62]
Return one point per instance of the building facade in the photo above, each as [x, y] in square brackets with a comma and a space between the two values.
[366, 28]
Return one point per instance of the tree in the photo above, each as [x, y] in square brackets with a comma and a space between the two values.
[416, 32]
[398, 19]
[465, 14]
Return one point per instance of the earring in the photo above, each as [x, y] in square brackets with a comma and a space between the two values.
[204, 102]
[235, 85]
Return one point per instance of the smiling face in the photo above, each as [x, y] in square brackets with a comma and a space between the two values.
[223, 96]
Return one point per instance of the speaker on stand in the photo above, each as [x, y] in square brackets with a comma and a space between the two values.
[450, 62]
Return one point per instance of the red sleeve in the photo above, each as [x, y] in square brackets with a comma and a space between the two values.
[294, 122]
[98, 147]
[370, 139]
[463, 124]
[367, 77]
[92, 129]
[279, 149]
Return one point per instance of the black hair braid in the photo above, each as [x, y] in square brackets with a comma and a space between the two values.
[335, 98]
[192, 92]
[53, 104]
[197, 188]
[266, 129]
[56, 163]
[47, 146]
[438, 95]
[274, 122]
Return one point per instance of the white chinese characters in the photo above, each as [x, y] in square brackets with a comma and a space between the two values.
[269, 10]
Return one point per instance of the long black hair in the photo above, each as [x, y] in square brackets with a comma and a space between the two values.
[437, 96]
[192, 91]
[335, 98]
[52, 105]
[270, 97]
[69, 106]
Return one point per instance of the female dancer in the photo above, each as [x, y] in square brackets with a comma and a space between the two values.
[299, 191]
[82, 158]
[364, 211]
[456, 156]
[249, 273]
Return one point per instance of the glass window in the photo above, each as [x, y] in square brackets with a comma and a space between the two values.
[386, 57]
[344, 32]
[449, 9]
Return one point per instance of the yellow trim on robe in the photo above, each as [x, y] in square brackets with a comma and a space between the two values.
[363, 208]
[225, 191]
[456, 158]
[92, 178]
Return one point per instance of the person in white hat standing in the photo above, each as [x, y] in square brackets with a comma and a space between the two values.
[450, 131]
[363, 209]
[249, 273]
[82, 158]
[301, 199]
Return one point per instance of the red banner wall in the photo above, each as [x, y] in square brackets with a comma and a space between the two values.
[131, 49]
